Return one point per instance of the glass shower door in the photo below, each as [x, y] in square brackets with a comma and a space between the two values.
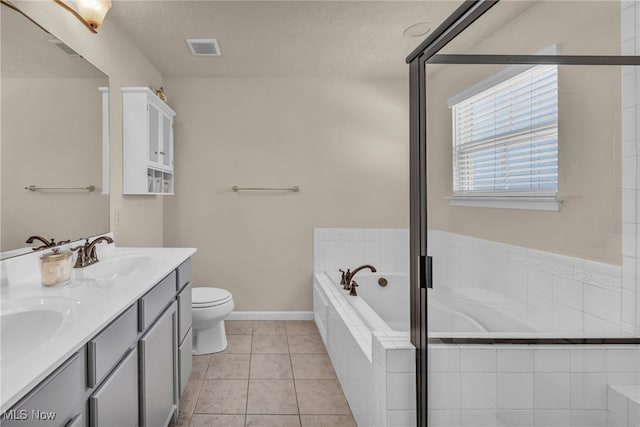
[524, 195]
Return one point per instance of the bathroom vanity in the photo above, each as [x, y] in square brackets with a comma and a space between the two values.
[116, 350]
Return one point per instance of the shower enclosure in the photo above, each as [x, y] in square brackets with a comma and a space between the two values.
[525, 205]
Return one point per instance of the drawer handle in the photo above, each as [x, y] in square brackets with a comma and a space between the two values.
[75, 421]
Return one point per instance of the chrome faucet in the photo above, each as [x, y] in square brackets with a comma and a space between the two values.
[348, 277]
[87, 254]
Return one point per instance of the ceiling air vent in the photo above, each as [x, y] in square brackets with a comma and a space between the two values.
[63, 47]
[204, 47]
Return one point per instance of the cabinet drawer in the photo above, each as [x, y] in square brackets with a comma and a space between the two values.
[154, 302]
[115, 403]
[54, 399]
[184, 274]
[108, 347]
[184, 312]
[185, 360]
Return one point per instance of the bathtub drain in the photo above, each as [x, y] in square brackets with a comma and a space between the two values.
[382, 282]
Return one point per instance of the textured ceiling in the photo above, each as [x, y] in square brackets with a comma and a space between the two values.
[27, 53]
[279, 38]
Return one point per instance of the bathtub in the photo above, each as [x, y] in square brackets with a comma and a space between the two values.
[367, 337]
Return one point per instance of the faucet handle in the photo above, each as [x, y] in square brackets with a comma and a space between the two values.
[352, 290]
[81, 260]
[347, 280]
[343, 277]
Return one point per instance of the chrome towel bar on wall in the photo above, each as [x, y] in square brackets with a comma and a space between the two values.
[89, 188]
[235, 189]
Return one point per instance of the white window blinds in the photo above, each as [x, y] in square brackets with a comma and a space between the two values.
[506, 137]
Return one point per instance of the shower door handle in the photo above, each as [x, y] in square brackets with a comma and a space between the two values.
[426, 272]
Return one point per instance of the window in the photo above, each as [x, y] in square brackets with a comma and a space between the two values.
[505, 143]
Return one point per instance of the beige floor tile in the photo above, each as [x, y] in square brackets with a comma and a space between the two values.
[306, 344]
[328, 421]
[269, 344]
[272, 397]
[273, 421]
[190, 396]
[312, 367]
[321, 397]
[238, 344]
[199, 366]
[268, 327]
[228, 366]
[203, 420]
[271, 367]
[300, 327]
[238, 327]
[222, 397]
[184, 420]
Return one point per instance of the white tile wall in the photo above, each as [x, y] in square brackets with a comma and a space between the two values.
[385, 248]
[553, 292]
[530, 385]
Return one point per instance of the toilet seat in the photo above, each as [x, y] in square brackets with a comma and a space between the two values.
[209, 297]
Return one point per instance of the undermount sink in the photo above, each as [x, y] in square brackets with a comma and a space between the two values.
[29, 323]
[112, 268]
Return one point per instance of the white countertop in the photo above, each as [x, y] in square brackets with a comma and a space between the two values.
[92, 305]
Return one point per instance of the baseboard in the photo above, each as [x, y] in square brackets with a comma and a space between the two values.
[271, 315]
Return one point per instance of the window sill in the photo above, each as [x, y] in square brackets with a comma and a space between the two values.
[535, 203]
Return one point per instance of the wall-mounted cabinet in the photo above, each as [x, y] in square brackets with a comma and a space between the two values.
[147, 143]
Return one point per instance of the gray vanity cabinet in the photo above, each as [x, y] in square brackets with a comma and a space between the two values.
[185, 339]
[131, 374]
[57, 401]
[158, 370]
[115, 402]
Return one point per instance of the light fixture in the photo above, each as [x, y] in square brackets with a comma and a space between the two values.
[90, 12]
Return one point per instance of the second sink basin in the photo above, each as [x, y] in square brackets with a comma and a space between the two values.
[29, 323]
[112, 268]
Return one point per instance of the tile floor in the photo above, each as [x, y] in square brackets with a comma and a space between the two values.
[273, 374]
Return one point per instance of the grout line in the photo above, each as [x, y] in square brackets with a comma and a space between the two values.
[293, 379]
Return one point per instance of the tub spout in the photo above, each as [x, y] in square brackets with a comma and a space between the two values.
[349, 275]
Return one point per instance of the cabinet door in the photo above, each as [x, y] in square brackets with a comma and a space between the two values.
[154, 133]
[185, 357]
[114, 404]
[53, 401]
[166, 145]
[158, 371]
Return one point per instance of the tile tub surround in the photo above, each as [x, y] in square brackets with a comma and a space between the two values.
[514, 385]
[376, 369]
[274, 373]
[623, 405]
[98, 302]
[552, 292]
[385, 248]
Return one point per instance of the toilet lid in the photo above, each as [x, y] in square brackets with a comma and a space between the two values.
[207, 297]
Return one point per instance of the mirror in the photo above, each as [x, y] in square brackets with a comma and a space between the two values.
[52, 138]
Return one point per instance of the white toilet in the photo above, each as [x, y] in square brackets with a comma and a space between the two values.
[210, 307]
